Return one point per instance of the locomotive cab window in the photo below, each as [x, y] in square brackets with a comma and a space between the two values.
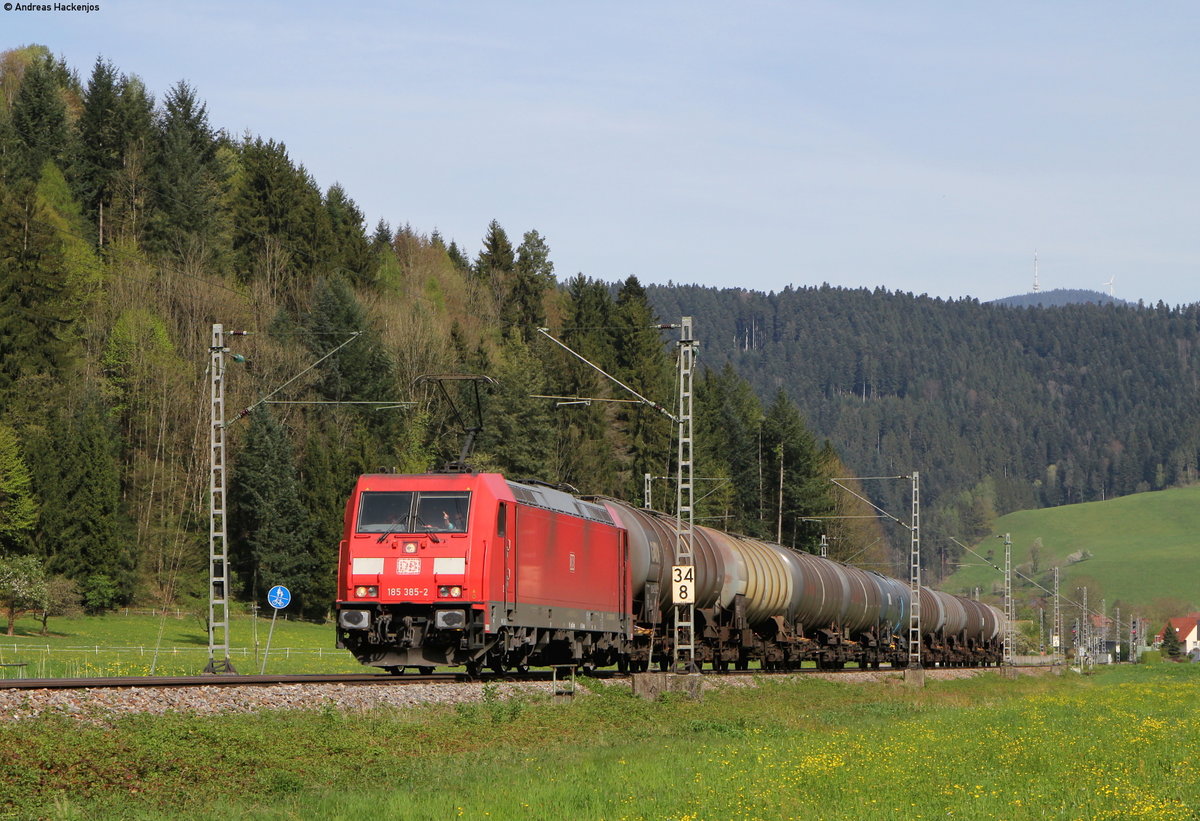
[442, 512]
[403, 511]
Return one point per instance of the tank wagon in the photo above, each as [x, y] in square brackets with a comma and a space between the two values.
[474, 570]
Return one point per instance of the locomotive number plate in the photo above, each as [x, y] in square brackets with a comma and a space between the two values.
[683, 581]
[408, 567]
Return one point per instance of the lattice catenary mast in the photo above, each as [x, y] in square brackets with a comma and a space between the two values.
[914, 577]
[685, 522]
[218, 549]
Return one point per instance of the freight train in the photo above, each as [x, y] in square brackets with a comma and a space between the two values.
[474, 570]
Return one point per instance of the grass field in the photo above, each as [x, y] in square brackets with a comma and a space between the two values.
[1143, 548]
[1124, 743]
[136, 645]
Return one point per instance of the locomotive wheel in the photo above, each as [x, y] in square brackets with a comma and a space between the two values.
[474, 668]
[425, 671]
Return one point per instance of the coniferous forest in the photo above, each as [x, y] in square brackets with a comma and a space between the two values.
[130, 224]
[999, 408]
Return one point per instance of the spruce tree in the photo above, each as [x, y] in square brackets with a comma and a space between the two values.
[186, 177]
[39, 118]
[793, 458]
[362, 369]
[352, 252]
[533, 277]
[269, 530]
[35, 329]
[97, 159]
[81, 530]
[641, 362]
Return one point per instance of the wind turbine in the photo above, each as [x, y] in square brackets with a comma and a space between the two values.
[1110, 284]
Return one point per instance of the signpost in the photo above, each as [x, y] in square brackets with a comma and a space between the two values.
[278, 597]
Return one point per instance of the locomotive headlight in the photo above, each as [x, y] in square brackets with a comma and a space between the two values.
[450, 591]
[366, 591]
[354, 619]
[410, 547]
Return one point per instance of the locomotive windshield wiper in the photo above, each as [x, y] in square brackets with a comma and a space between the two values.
[391, 529]
[428, 529]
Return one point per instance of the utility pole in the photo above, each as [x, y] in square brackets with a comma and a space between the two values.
[914, 577]
[218, 548]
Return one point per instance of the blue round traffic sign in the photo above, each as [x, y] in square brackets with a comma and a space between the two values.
[279, 596]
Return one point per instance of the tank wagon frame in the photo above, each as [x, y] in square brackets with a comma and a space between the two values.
[470, 569]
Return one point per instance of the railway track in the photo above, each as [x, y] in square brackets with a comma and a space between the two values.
[219, 681]
[235, 680]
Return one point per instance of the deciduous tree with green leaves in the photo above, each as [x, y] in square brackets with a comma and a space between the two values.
[22, 587]
[18, 508]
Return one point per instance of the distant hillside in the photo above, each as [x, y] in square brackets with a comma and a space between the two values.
[1142, 553]
[999, 409]
[1057, 298]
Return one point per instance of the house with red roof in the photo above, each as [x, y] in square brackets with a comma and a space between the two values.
[1187, 630]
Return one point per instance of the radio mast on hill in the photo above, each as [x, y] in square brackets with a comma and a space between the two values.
[1037, 289]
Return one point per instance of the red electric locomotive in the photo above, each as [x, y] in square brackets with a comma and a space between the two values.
[472, 569]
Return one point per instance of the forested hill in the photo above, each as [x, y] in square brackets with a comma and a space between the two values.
[1058, 297]
[998, 407]
[130, 225]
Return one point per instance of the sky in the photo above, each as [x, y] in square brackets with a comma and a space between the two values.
[923, 147]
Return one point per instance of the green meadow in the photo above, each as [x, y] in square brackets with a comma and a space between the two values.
[1143, 549]
[121, 644]
[1123, 743]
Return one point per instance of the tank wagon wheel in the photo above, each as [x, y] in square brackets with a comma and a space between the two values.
[425, 671]
[395, 670]
[474, 668]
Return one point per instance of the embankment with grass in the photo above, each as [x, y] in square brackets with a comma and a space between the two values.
[1123, 743]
